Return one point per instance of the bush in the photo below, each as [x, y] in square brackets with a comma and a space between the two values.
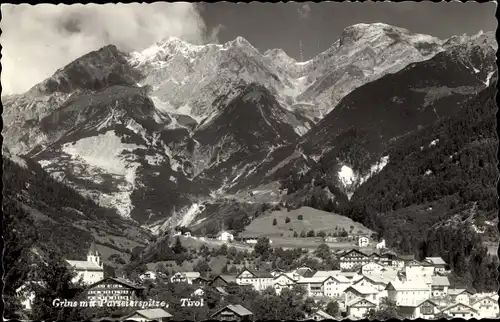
[287, 220]
[300, 217]
[275, 222]
[310, 233]
[295, 234]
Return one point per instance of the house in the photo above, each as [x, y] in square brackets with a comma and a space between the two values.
[357, 308]
[353, 258]
[198, 292]
[331, 239]
[334, 286]
[184, 277]
[187, 234]
[260, 280]
[371, 267]
[459, 295]
[438, 263]
[381, 245]
[149, 275]
[158, 314]
[313, 285]
[277, 271]
[223, 280]
[423, 309]
[439, 286]
[178, 233]
[320, 315]
[91, 270]
[283, 281]
[232, 313]
[487, 307]
[416, 271]
[408, 293]
[201, 281]
[376, 281]
[461, 310]
[363, 241]
[360, 292]
[113, 289]
[303, 271]
[225, 236]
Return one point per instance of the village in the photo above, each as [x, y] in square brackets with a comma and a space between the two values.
[365, 282]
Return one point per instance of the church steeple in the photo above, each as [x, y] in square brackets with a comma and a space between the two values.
[93, 255]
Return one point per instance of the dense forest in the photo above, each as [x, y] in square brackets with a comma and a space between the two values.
[440, 180]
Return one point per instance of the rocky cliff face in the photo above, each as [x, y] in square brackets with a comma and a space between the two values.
[152, 133]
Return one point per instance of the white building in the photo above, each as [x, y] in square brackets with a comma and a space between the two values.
[371, 267]
[353, 258]
[438, 263]
[184, 277]
[334, 286]
[462, 311]
[408, 293]
[283, 281]
[259, 280]
[313, 285]
[424, 309]
[358, 307]
[355, 292]
[225, 236]
[459, 295]
[363, 241]
[381, 245]
[91, 270]
[439, 287]
[487, 307]
[149, 275]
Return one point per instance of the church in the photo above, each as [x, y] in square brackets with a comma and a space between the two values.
[91, 270]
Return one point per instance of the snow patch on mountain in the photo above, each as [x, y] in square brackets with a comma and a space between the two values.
[351, 179]
[102, 151]
[488, 78]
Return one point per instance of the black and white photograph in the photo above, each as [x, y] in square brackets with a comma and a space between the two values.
[249, 161]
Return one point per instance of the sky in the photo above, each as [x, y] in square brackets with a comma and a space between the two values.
[38, 40]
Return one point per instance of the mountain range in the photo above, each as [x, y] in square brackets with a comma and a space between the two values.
[164, 134]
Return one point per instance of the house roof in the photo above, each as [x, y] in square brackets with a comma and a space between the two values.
[435, 260]
[324, 315]
[307, 280]
[258, 274]
[191, 274]
[440, 280]
[378, 278]
[325, 273]
[407, 257]
[457, 291]
[152, 314]
[356, 301]
[490, 297]
[419, 303]
[237, 309]
[84, 265]
[226, 278]
[339, 278]
[459, 304]
[408, 286]
[223, 232]
[118, 280]
[353, 251]
[221, 290]
[286, 275]
[362, 289]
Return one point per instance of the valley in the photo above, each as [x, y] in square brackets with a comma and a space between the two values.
[387, 134]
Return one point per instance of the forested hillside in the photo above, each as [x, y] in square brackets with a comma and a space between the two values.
[43, 218]
[440, 182]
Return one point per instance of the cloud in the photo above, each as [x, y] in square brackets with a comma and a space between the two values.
[38, 40]
[304, 11]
